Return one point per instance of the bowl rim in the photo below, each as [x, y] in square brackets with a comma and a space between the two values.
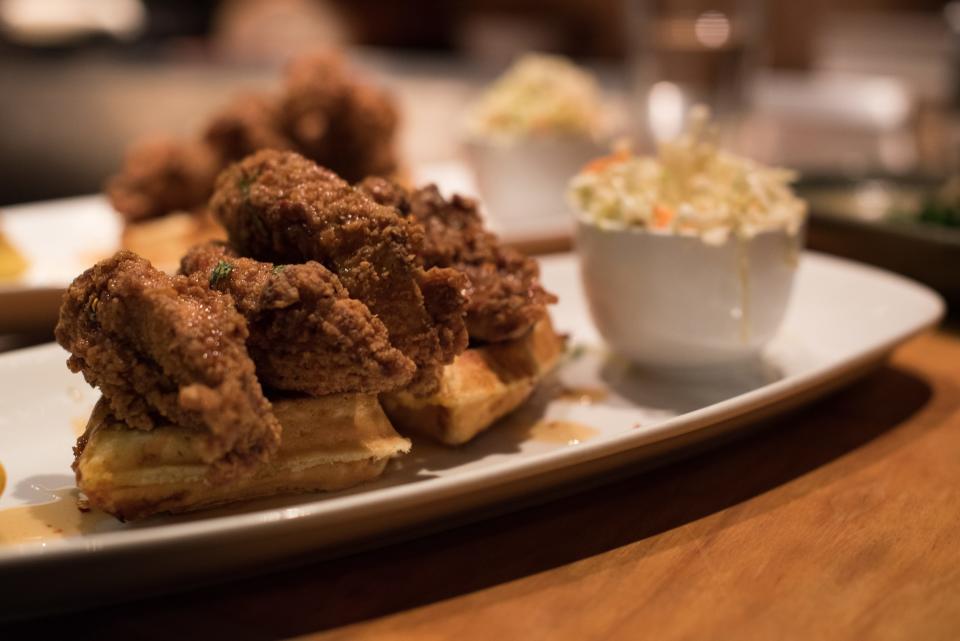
[616, 228]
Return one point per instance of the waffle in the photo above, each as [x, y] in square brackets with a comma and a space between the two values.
[165, 239]
[329, 443]
[482, 385]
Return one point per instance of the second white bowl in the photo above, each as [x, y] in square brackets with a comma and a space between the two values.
[525, 182]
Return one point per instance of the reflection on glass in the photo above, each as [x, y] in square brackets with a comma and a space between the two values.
[688, 52]
[665, 110]
[712, 29]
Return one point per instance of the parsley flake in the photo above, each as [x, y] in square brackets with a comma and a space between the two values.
[220, 273]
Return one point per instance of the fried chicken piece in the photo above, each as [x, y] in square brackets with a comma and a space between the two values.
[505, 295]
[323, 113]
[164, 348]
[336, 121]
[160, 175]
[446, 303]
[306, 333]
[280, 207]
[250, 122]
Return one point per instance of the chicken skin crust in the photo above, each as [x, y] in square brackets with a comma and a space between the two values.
[324, 111]
[248, 123]
[161, 175]
[505, 295]
[280, 207]
[169, 349]
[306, 333]
[337, 121]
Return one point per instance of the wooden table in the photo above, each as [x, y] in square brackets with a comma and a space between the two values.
[841, 521]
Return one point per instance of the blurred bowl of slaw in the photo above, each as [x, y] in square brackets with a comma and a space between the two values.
[529, 132]
[687, 257]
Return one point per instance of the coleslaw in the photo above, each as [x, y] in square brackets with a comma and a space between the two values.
[691, 187]
[539, 94]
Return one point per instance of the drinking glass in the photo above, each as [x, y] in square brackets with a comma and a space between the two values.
[689, 52]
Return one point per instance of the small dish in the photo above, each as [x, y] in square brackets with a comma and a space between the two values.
[523, 182]
[666, 300]
[689, 255]
[529, 132]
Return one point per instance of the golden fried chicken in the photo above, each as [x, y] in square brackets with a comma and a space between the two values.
[250, 122]
[306, 333]
[281, 207]
[336, 121]
[323, 112]
[505, 295]
[160, 175]
[169, 349]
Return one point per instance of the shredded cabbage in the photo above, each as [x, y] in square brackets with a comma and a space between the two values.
[538, 94]
[691, 187]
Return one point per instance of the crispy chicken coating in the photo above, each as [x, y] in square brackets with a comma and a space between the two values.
[169, 349]
[281, 207]
[336, 121]
[160, 176]
[250, 122]
[505, 295]
[323, 112]
[306, 333]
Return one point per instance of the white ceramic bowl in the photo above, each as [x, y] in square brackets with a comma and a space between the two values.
[674, 301]
[524, 183]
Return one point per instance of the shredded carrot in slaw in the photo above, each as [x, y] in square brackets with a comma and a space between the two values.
[598, 165]
[690, 187]
[662, 216]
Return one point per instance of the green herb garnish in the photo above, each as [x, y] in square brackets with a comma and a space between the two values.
[278, 268]
[244, 183]
[220, 273]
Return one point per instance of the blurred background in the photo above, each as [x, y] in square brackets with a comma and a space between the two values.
[839, 87]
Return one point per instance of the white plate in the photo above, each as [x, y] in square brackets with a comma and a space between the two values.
[61, 238]
[843, 318]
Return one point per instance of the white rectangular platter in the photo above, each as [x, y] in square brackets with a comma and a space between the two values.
[843, 319]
